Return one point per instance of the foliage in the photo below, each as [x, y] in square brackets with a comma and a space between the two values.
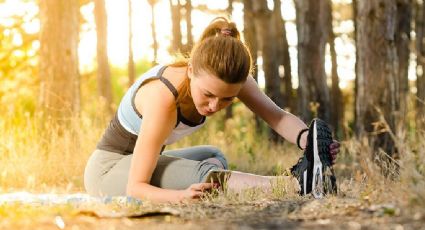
[18, 73]
[39, 156]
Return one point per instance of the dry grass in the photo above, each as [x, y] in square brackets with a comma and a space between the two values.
[36, 158]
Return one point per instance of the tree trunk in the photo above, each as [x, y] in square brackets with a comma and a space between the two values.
[131, 71]
[188, 16]
[356, 82]
[283, 56]
[420, 68]
[103, 71]
[378, 78]
[229, 109]
[176, 44]
[251, 41]
[58, 64]
[155, 40]
[267, 39]
[312, 29]
[229, 8]
[402, 40]
[337, 107]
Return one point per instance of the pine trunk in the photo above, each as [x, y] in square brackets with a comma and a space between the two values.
[266, 37]
[152, 3]
[229, 109]
[176, 44]
[420, 68]
[402, 40]
[188, 18]
[58, 63]
[337, 107]
[283, 57]
[131, 71]
[378, 79]
[103, 71]
[312, 28]
[251, 41]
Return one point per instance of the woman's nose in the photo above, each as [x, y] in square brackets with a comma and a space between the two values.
[213, 105]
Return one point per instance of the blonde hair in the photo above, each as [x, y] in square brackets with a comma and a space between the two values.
[219, 52]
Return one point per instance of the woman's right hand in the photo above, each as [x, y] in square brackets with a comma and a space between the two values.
[195, 191]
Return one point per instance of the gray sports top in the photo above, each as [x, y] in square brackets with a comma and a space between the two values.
[121, 134]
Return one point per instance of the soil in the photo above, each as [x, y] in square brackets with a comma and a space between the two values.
[303, 213]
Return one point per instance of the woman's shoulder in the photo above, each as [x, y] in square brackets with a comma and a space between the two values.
[153, 71]
[155, 95]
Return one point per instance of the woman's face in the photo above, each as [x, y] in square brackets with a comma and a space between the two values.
[211, 94]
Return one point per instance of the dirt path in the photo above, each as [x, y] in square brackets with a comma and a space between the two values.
[330, 213]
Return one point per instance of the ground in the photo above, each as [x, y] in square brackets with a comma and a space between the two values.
[333, 212]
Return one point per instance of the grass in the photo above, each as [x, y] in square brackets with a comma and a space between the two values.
[37, 156]
[35, 153]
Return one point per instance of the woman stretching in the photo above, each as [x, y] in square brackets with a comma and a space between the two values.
[169, 102]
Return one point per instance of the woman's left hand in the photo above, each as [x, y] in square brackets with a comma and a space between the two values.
[334, 150]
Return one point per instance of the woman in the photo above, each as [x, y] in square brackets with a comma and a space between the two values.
[169, 102]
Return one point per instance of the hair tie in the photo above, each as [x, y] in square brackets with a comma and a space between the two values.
[299, 137]
[226, 32]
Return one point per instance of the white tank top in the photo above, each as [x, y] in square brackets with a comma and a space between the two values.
[131, 119]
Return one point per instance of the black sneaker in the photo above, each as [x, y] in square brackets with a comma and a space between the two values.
[314, 169]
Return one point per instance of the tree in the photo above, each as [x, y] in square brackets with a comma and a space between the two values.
[249, 33]
[58, 64]
[131, 70]
[176, 42]
[337, 108]
[152, 3]
[266, 38]
[188, 19]
[177, 7]
[402, 40]
[420, 68]
[103, 71]
[378, 73]
[229, 8]
[229, 109]
[283, 57]
[312, 30]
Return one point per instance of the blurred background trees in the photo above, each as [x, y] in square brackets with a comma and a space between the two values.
[103, 71]
[357, 64]
[58, 59]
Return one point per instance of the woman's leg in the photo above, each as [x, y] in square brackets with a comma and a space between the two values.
[238, 180]
[106, 173]
[200, 153]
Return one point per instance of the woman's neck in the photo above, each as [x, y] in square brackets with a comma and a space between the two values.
[178, 76]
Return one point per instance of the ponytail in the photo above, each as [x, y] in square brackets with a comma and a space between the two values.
[219, 52]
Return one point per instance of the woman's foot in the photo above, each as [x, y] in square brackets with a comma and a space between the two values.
[314, 169]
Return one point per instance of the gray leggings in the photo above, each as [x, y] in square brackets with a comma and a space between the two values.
[106, 173]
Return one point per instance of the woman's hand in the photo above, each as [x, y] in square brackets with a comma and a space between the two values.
[195, 191]
[334, 150]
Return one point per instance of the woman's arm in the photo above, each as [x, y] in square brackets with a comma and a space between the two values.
[157, 106]
[284, 123]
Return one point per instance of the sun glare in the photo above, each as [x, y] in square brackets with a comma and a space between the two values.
[118, 31]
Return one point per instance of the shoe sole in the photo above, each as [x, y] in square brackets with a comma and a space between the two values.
[320, 148]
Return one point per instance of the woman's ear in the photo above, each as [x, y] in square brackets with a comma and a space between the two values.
[189, 71]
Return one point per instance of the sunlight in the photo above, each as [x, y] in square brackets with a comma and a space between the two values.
[32, 27]
[118, 20]
[17, 40]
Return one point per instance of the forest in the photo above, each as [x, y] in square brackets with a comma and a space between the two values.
[356, 64]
